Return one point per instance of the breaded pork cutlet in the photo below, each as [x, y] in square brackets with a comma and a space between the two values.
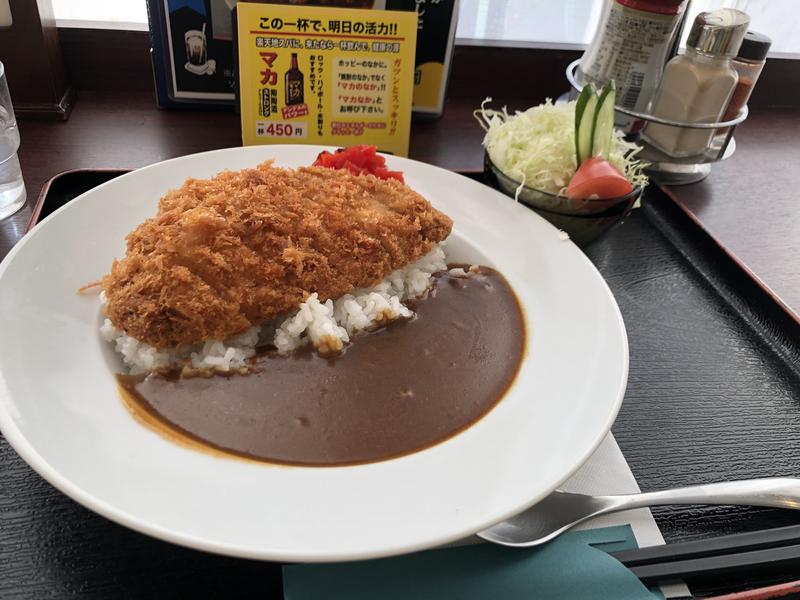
[227, 253]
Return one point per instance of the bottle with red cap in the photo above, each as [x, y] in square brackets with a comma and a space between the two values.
[632, 43]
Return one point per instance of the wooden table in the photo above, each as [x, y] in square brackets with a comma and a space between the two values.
[751, 205]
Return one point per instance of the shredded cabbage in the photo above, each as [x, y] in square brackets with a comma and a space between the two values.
[537, 147]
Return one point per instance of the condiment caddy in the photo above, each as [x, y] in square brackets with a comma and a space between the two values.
[679, 170]
[684, 112]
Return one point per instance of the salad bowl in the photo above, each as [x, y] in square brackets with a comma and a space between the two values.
[584, 220]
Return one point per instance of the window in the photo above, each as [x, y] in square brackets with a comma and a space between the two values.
[571, 23]
[533, 23]
[536, 23]
[101, 14]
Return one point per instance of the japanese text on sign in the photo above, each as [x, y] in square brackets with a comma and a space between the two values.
[332, 26]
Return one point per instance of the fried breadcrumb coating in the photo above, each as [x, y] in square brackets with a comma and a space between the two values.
[244, 247]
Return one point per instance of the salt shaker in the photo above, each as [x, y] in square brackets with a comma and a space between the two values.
[697, 86]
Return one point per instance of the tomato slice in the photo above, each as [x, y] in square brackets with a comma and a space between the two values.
[598, 178]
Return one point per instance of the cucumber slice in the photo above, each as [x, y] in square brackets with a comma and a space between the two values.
[603, 128]
[580, 106]
[585, 128]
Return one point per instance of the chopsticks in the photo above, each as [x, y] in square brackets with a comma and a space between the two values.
[742, 553]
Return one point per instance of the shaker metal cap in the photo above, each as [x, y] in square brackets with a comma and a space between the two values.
[719, 32]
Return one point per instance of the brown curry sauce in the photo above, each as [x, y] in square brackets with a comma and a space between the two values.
[391, 392]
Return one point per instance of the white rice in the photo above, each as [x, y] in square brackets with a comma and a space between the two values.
[326, 325]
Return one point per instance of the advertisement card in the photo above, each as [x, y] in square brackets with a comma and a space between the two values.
[329, 76]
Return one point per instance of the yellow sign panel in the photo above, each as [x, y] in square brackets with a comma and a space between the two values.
[331, 76]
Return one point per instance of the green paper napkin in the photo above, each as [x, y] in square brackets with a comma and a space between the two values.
[574, 566]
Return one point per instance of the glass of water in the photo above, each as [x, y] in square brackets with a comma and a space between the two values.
[12, 187]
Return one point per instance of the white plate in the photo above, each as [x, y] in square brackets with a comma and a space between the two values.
[60, 410]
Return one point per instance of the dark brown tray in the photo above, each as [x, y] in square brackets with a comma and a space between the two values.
[713, 394]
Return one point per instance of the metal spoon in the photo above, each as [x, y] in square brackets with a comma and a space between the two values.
[560, 511]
